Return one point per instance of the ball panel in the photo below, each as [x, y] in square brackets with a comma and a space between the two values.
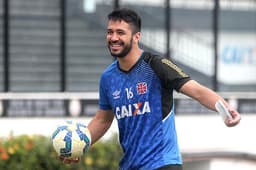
[77, 148]
[59, 128]
[66, 151]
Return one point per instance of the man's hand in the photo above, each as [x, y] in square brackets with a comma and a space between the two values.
[230, 122]
[69, 160]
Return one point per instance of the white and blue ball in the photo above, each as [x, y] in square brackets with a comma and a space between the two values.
[71, 139]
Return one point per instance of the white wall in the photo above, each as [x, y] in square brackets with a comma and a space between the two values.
[195, 133]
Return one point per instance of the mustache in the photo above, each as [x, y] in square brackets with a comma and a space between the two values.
[115, 42]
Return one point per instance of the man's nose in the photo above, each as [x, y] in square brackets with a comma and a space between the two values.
[114, 37]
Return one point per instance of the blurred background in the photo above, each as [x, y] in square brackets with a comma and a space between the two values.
[53, 53]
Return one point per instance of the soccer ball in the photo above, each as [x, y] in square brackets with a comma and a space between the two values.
[71, 139]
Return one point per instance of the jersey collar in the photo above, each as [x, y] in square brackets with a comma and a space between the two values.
[138, 61]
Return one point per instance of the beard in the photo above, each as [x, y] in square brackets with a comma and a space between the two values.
[126, 49]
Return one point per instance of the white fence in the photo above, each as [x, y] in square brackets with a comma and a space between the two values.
[86, 104]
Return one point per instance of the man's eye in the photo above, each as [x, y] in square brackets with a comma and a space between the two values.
[109, 32]
[121, 33]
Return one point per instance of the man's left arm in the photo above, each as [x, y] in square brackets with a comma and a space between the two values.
[208, 98]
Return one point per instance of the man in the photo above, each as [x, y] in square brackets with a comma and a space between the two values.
[137, 89]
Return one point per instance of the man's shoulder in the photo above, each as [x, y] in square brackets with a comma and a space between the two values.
[110, 68]
[151, 58]
[147, 54]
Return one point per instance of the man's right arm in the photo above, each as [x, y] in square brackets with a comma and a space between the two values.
[99, 125]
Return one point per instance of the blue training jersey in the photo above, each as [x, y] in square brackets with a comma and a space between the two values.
[142, 101]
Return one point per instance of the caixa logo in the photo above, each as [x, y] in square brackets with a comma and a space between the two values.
[238, 55]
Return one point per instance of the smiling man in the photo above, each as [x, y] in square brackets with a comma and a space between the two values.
[137, 90]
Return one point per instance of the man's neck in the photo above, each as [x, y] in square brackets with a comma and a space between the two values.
[130, 60]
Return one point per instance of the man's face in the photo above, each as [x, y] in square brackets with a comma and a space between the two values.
[119, 38]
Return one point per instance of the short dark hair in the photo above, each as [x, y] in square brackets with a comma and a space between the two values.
[127, 15]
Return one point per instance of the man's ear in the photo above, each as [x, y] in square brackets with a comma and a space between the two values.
[136, 37]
